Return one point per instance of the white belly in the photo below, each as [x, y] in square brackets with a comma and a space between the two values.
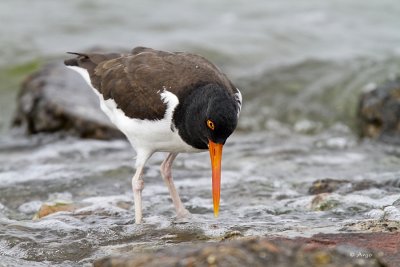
[154, 135]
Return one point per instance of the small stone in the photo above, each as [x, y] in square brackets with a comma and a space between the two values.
[50, 208]
[322, 202]
[327, 185]
[211, 259]
[232, 235]
[392, 213]
[322, 258]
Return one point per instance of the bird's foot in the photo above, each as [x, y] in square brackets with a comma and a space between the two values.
[183, 217]
[183, 214]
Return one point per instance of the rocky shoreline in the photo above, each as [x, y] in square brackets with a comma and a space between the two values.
[351, 249]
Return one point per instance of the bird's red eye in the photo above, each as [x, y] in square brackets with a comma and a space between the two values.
[210, 124]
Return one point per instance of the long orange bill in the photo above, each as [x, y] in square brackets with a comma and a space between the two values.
[216, 156]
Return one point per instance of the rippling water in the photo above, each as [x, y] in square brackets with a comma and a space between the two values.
[301, 66]
[264, 191]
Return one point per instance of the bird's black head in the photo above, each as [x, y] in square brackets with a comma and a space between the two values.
[205, 117]
[221, 120]
[208, 113]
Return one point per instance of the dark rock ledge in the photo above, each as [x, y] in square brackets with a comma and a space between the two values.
[379, 112]
[348, 249]
[56, 99]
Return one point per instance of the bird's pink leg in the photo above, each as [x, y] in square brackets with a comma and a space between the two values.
[138, 184]
[181, 212]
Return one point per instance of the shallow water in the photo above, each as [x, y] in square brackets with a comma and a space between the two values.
[264, 191]
[301, 66]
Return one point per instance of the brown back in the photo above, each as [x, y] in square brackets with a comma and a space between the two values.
[136, 80]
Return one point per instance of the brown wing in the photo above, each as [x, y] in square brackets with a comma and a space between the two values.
[112, 80]
[135, 81]
[176, 71]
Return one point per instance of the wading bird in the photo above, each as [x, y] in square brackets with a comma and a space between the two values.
[164, 102]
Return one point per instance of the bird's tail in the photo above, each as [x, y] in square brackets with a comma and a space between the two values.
[88, 62]
[75, 61]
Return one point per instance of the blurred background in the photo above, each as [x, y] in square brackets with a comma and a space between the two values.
[295, 165]
[293, 59]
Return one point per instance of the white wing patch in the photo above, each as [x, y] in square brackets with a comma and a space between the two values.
[238, 97]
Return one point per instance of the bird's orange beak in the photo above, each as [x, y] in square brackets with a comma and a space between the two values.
[216, 156]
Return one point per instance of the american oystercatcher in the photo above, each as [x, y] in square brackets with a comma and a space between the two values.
[164, 102]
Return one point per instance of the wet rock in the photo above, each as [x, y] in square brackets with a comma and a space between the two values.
[364, 184]
[246, 252]
[379, 112]
[57, 99]
[358, 246]
[324, 201]
[232, 235]
[327, 185]
[393, 183]
[374, 226]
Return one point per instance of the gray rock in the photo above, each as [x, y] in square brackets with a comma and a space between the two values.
[379, 112]
[327, 185]
[57, 99]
